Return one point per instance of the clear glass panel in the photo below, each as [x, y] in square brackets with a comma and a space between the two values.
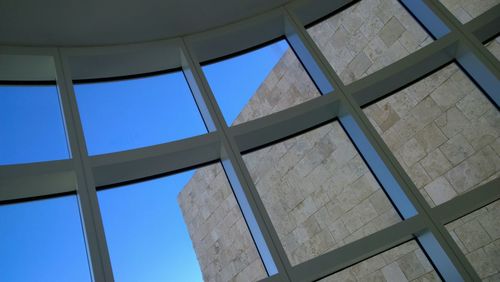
[494, 47]
[444, 132]
[31, 125]
[478, 236]
[42, 241]
[466, 10]
[406, 262]
[154, 229]
[318, 192]
[368, 36]
[129, 114]
[260, 82]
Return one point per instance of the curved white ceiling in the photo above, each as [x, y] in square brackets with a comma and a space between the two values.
[109, 22]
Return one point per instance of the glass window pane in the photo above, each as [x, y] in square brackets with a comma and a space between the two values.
[444, 132]
[42, 241]
[260, 82]
[494, 47]
[478, 236]
[184, 227]
[129, 114]
[31, 125]
[319, 193]
[406, 262]
[368, 36]
[466, 10]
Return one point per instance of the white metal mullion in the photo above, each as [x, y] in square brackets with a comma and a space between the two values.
[468, 202]
[256, 217]
[446, 255]
[112, 169]
[283, 124]
[485, 26]
[18, 182]
[97, 250]
[358, 251]
[409, 69]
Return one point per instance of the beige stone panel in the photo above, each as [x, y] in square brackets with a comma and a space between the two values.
[368, 36]
[221, 239]
[444, 132]
[406, 262]
[327, 193]
[478, 237]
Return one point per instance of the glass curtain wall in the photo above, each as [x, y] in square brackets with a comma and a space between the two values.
[359, 146]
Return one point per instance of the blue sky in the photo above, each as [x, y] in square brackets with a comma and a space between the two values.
[30, 120]
[146, 235]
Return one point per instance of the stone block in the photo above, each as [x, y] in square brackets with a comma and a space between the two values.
[426, 111]
[411, 266]
[392, 272]
[481, 263]
[380, 202]
[435, 164]
[411, 152]
[474, 105]
[481, 133]
[452, 122]
[473, 170]
[391, 31]
[440, 191]
[430, 137]
[457, 149]
[472, 235]
[418, 175]
[371, 26]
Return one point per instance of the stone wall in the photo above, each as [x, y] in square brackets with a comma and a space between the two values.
[220, 236]
[207, 202]
[444, 132]
[316, 188]
[405, 262]
[368, 36]
[319, 193]
[478, 236]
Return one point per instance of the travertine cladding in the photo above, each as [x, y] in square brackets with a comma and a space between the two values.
[368, 36]
[286, 85]
[213, 218]
[406, 262]
[222, 242]
[466, 10]
[316, 188]
[319, 193]
[494, 47]
[444, 132]
[478, 236]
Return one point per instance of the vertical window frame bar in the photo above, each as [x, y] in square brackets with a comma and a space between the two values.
[252, 207]
[92, 226]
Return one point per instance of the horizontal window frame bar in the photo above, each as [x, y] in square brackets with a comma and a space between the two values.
[134, 165]
[486, 25]
[404, 72]
[358, 251]
[469, 202]
[282, 125]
